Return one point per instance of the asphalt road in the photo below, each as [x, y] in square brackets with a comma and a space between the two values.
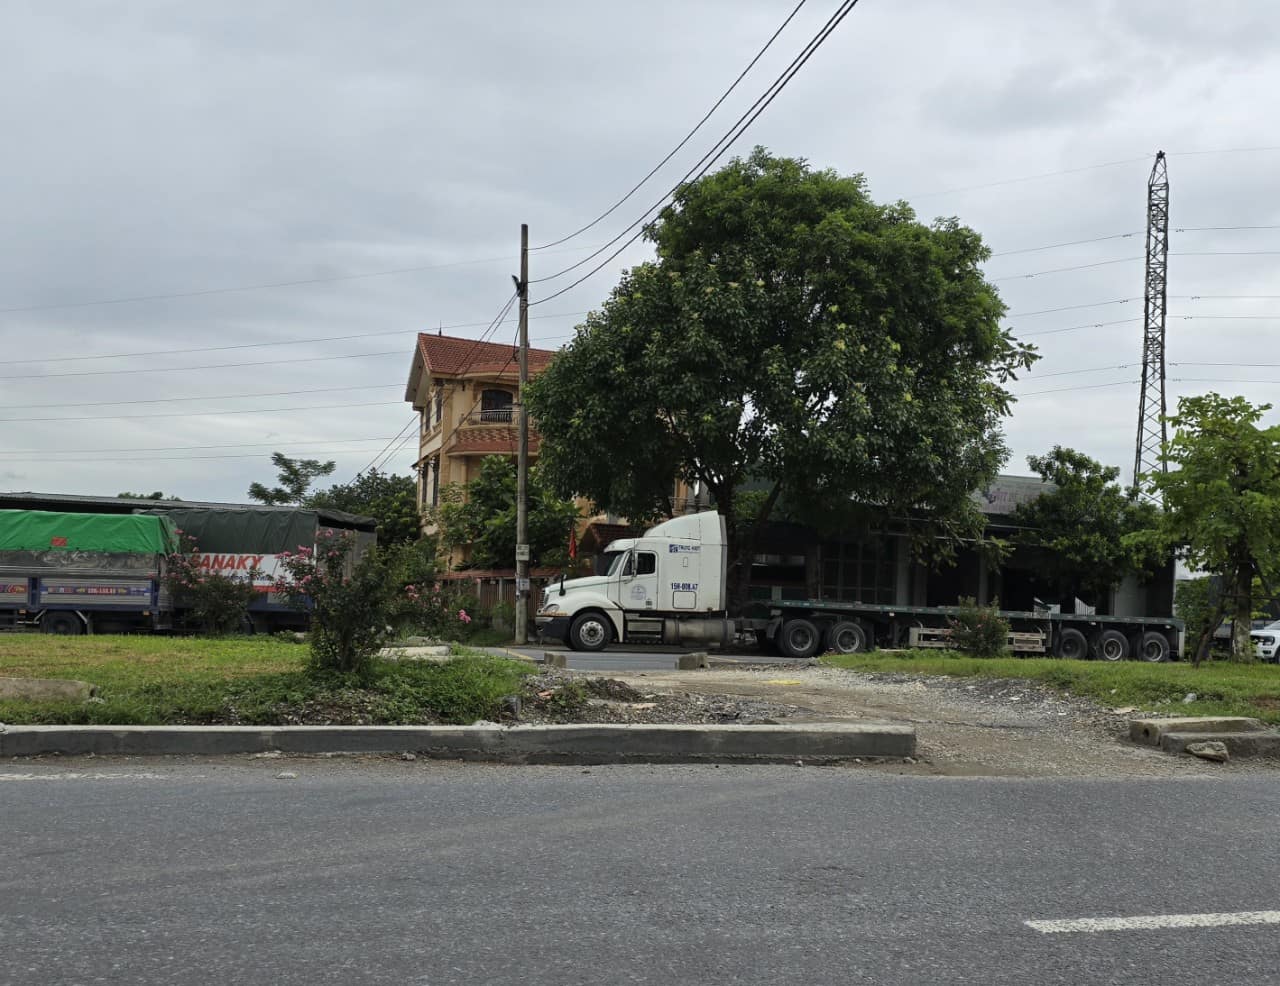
[399, 873]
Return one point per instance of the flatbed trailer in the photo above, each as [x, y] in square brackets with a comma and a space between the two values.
[668, 587]
[798, 628]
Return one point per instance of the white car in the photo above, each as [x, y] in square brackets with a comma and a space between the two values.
[1266, 641]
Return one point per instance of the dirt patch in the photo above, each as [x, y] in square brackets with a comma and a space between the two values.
[963, 725]
[559, 696]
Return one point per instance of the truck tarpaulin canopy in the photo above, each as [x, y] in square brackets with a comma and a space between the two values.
[44, 530]
[264, 531]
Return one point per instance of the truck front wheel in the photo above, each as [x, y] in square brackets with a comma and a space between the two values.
[590, 632]
[798, 638]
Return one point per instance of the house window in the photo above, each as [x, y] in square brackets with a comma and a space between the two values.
[439, 404]
[495, 405]
[435, 481]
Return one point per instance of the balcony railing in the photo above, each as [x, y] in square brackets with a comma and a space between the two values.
[494, 416]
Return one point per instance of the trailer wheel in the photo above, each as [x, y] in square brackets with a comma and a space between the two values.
[590, 632]
[1155, 647]
[1113, 646]
[798, 638]
[1071, 645]
[846, 637]
[64, 624]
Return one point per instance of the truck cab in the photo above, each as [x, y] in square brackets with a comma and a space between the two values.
[665, 587]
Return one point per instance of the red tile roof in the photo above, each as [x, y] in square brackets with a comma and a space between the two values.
[451, 356]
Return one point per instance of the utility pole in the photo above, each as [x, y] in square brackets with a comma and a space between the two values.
[522, 462]
[1152, 431]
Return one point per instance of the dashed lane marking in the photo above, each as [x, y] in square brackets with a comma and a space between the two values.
[74, 776]
[1155, 922]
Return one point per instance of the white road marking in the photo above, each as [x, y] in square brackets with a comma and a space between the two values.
[1150, 922]
[72, 776]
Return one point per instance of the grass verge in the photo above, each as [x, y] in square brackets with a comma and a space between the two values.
[250, 681]
[1220, 688]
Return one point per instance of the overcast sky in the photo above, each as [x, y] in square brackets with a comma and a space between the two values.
[153, 148]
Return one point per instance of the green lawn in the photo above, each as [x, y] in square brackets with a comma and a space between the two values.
[254, 680]
[1221, 688]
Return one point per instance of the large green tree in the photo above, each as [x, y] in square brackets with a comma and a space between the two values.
[796, 335]
[294, 478]
[482, 514]
[1085, 521]
[1222, 502]
[389, 499]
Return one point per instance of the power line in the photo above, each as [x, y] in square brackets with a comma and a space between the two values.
[206, 414]
[1089, 167]
[174, 458]
[263, 287]
[689, 136]
[1063, 270]
[1225, 297]
[189, 448]
[373, 464]
[713, 155]
[208, 397]
[1207, 229]
[260, 345]
[1074, 328]
[1026, 178]
[209, 366]
[1091, 386]
[1069, 243]
[1072, 308]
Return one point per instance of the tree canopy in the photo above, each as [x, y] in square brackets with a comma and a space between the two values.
[1222, 501]
[294, 478]
[795, 333]
[1085, 522]
[482, 514]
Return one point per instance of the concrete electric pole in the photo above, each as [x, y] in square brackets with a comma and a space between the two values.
[522, 461]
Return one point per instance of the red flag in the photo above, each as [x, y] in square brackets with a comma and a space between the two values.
[573, 540]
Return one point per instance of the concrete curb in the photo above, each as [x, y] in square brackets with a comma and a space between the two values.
[570, 744]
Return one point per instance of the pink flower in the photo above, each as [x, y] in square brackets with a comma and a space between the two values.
[462, 615]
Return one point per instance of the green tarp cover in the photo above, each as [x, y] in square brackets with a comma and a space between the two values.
[247, 530]
[46, 530]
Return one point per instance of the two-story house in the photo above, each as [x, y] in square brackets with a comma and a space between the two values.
[466, 393]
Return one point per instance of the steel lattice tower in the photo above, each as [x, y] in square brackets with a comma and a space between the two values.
[1151, 399]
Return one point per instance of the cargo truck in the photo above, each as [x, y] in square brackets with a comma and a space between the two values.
[97, 564]
[669, 587]
[70, 573]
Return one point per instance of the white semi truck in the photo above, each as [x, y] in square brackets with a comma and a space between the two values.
[669, 587]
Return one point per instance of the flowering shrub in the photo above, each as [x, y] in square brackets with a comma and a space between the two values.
[979, 630]
[348, 600]
[438, 610]
[217, 604]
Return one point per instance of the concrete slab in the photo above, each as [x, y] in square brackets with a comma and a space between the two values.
[1152, 731]
[570, 744]
[1261, 743]
[46, 690]
[435, 654]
